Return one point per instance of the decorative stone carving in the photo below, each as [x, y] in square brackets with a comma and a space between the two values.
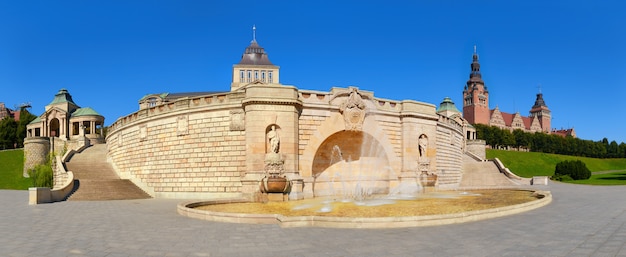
[274, 180]
[183, 125]
[237, 120]
[274, 140]
[423, 146]
[143, 133]
[353, 110]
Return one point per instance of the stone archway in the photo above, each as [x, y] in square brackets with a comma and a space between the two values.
[349, 161]
[55, 128]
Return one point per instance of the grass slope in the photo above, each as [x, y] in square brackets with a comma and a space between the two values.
[11, 168]
[528, 164]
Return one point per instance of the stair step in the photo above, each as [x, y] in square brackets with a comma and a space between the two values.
[97, 180]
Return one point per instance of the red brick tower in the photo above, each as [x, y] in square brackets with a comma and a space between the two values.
[540, 109]
[476, 96]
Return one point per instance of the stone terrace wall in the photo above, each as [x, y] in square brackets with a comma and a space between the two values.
[36, 150]
[450, 142]
[191, 148]
[385, 121]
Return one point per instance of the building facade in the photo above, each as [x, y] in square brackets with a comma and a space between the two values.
[63, 126]
[476, 107]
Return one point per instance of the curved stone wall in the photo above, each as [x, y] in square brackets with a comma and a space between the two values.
[36, 150]
[187, 149]
[214, 146]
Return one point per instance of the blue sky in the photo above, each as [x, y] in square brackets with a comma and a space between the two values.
[109, 54]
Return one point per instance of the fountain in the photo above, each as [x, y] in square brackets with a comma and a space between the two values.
[358, 169]
[274, 185]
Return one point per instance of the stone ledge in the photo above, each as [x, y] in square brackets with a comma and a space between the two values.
[187, 209]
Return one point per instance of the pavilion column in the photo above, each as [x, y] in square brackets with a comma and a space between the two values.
[62, 128]
[92, 127]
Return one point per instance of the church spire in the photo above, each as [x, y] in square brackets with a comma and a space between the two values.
[475, 75]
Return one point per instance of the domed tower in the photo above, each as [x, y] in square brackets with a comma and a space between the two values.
[541, 111]
[254, 67]
[476, 96]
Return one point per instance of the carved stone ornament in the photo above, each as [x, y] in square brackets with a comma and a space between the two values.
[353, 110]
[183, 125]
[143, 133]
[237, 120]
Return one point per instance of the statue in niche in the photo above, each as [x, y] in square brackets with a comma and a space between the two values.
[422, 144]
[353, 110]
[274, 140]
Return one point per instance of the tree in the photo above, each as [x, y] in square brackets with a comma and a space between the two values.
[522, 139]
[8, 129]
[25, 118]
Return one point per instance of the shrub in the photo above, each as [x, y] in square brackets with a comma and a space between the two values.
[576, 170]
[42, 175]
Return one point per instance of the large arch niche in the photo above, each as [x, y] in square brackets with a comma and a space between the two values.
[55, 127]
[350, 161]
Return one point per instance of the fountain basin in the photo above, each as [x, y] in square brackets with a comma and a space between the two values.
[274, 185]
[189, 209]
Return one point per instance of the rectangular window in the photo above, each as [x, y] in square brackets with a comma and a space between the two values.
[263, 76]
[270, 77]
[249, 76]
[242, 75]
[256, 75]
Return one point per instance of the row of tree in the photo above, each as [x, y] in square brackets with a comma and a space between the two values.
[549, 143]
[12, 133]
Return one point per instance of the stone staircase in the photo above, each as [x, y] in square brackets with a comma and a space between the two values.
[97, 180]
[479, 174]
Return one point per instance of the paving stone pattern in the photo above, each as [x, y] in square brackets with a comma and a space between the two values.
[581, 221]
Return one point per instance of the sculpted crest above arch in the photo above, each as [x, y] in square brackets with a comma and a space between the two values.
[353, 108]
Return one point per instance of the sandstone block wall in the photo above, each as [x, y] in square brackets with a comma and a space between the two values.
[214, 146]
[36, 150]
[477, 147]
[182, 150]
[449, 153]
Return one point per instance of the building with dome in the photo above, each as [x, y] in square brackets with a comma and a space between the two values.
[63, 125]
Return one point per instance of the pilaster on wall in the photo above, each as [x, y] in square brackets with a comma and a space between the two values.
[266, 106]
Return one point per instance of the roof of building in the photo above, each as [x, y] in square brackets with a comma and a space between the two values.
[86, 111]
[167, 97]
[564, 132]
[36, 120]
[255, 55]
[63, 96]
[447, 105]
[528, 121]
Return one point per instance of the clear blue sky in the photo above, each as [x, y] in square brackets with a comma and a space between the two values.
[109, 54]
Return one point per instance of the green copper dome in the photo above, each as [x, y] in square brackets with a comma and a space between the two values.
[63, 96]
[447, 105]
[87, 111]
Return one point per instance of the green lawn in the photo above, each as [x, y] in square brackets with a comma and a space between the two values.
[11, 167]
[614, 178]
[528, 164]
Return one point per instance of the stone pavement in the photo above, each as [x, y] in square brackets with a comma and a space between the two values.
[581, 221]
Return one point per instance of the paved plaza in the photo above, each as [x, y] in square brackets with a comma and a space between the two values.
[581, 221]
